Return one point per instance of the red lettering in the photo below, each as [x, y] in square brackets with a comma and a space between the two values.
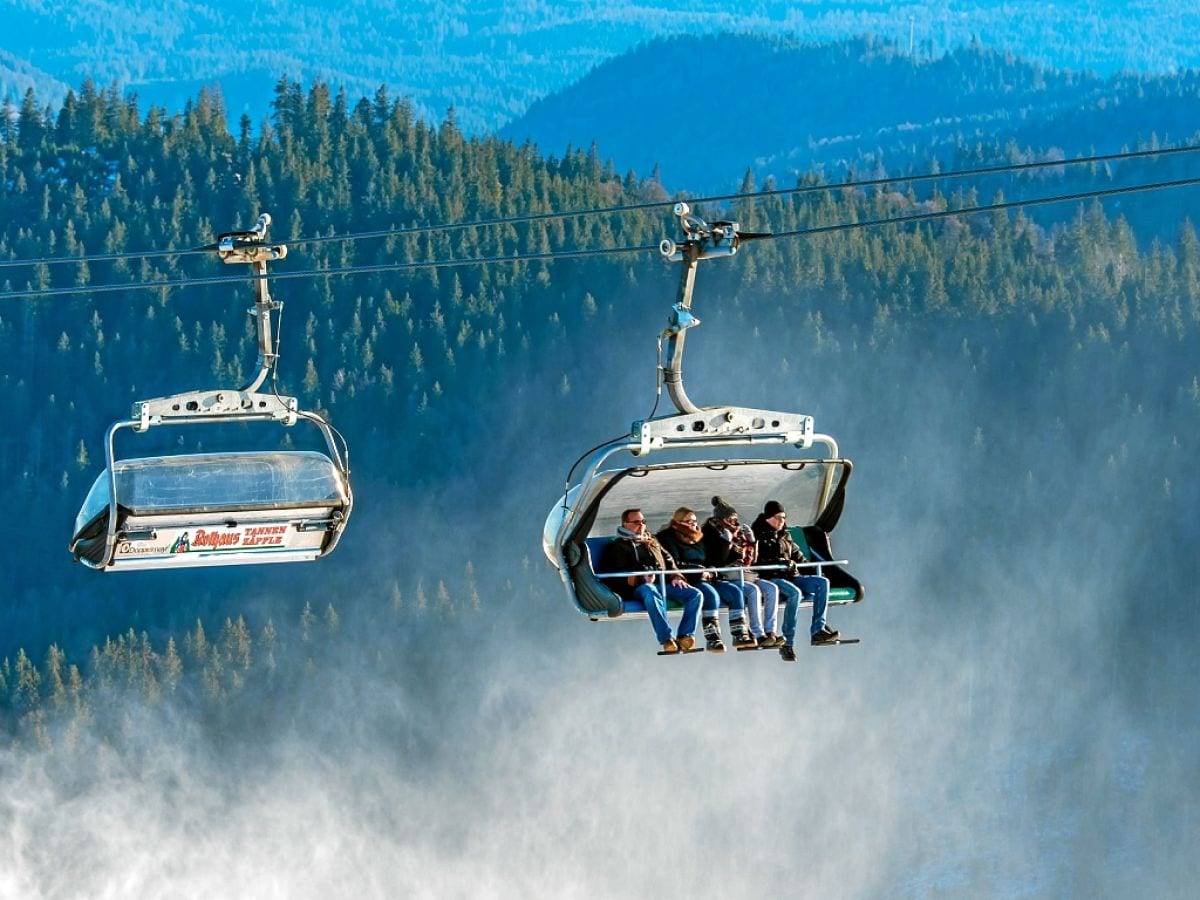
[215, 539]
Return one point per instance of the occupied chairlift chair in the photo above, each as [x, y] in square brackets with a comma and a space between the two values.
[811, 486]
[215, 509]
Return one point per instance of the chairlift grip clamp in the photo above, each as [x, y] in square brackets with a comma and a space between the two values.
[250, 247]
[704, 240]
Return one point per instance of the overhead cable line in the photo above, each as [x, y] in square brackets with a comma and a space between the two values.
[751, 195]
[551, 255]
[329, 273]
[625, 208]
[989, 207]
[104, 257]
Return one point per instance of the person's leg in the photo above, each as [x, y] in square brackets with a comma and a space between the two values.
[791, 596]
[732, 596]
[690, 598]
[771, 610]
[754, 608]
[656, 609]
[710, 599]
[710, 614]
[748, 597]
[815, 589]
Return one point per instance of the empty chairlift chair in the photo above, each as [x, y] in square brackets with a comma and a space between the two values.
[212, 509]
[216, 509]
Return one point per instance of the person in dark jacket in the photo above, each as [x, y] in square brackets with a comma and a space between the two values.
[729, 542]
[635, 550]
[776, 547]
[684, 540]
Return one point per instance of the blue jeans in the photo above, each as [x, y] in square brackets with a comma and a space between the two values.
[711, 604]
[763, 620]
[814, 588]
[736, 595]
[656, 608]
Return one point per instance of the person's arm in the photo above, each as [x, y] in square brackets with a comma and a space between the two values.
[716, 550]
[617, 559]
[669, 563]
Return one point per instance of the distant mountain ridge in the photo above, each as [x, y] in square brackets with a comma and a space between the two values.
[684, 104]
[17, 76]
[490, 59]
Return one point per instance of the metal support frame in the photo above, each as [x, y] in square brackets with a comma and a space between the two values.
[110, 538]
[251, 247]
[701, 241]
[664, 436]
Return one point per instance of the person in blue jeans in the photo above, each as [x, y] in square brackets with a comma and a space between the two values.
[636, 550]
[685, 541]
[729, 542]
[776, 547]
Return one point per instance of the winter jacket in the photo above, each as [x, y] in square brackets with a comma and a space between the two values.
[725, 546]
[688, 556]
[775, 546]
[625, 555]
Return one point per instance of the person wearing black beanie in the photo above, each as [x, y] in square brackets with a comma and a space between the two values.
[777, 547]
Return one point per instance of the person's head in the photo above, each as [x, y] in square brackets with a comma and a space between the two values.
[775, 514]
[685, 515]
[723, 509]
[633, 520]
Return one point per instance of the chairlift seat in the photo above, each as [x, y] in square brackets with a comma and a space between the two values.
[214, 509]
[843, 590]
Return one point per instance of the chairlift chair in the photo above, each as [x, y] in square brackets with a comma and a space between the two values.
[216, 509]
[699, 453]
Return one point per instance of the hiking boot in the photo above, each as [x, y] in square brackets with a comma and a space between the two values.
[825, 636]
[686, 642]
[669, 646]
[788, 653]
[742, 638]
[712, 637]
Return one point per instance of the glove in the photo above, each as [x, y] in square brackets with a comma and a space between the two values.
[746, 532]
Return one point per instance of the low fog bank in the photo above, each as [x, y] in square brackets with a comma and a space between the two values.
[583, 765]
[957, 762]
[1012, 723]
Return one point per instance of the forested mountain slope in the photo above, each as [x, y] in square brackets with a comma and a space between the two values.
[418, 350]
[684, 104]
[1019, 394]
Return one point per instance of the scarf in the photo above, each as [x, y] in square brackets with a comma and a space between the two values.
[687, 534]
[745, 550]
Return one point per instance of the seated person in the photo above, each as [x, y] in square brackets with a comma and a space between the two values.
[729, 543]
[636, 550]
[684, 540]
[776, 547]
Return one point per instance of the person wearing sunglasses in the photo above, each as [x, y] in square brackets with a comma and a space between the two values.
[636, 550]
[683, 539]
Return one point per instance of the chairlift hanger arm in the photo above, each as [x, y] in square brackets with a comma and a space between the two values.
[701, 241]
[251, 248]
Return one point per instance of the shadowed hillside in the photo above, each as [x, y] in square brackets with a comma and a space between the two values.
[682, 105]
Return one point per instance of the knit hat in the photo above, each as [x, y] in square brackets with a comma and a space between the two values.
[773, 508]
[722, 508]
